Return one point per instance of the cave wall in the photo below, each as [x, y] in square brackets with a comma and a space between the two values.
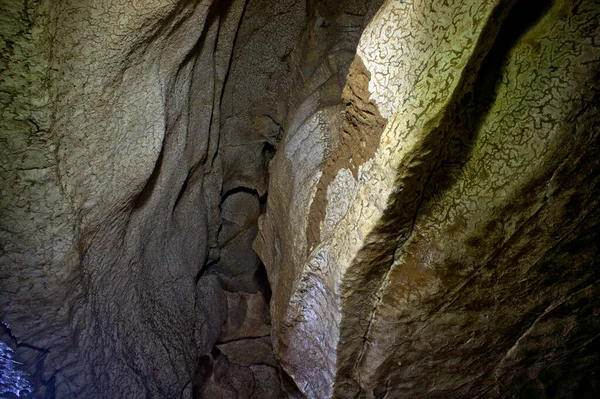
[102, 248]
[418, 178]
[137, 138]
[114, 273]
[456, 253]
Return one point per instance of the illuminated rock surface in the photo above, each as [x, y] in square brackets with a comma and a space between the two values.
[420, 179]
[461, 257]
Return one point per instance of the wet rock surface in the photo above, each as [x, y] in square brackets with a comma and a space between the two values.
[266, 199]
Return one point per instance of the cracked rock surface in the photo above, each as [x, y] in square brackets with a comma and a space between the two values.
[284, 199]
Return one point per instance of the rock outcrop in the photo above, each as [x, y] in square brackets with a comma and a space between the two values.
[266, 199]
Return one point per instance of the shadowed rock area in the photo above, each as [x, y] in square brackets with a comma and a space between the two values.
[286, 199]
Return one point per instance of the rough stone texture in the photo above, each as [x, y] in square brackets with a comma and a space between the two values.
[312, 119]
[118, 242]
[427, 210]
[460, 260]
[248, 316]
[238, 264]
[231, 380]
[98, 267]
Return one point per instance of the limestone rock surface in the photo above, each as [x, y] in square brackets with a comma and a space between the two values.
[455, 247]
[125, 228]
[284, 199]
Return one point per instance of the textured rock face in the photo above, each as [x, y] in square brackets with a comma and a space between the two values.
[105, 228]
[419, 178]
[136, 138]
[126, 230]
[456, 257]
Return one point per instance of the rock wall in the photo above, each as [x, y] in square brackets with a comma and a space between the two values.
[453, 252]
[419, 179]
[126, 230]
[136, 139]
[105, 228]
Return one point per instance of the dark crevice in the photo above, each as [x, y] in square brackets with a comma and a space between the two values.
[181, 192]
[242, 339]
[50, 387]
[204, 370]
[144, 195]
[206, 268]
[263, 281]
[273, 141]
[263, 202]
[239, 189]
[288, 385]
[268, 150]
[8, 331]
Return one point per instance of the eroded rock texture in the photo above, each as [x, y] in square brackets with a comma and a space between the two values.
[136, 138]
[420, 179]
[130, 193]
[457, 254]
[107, 181]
